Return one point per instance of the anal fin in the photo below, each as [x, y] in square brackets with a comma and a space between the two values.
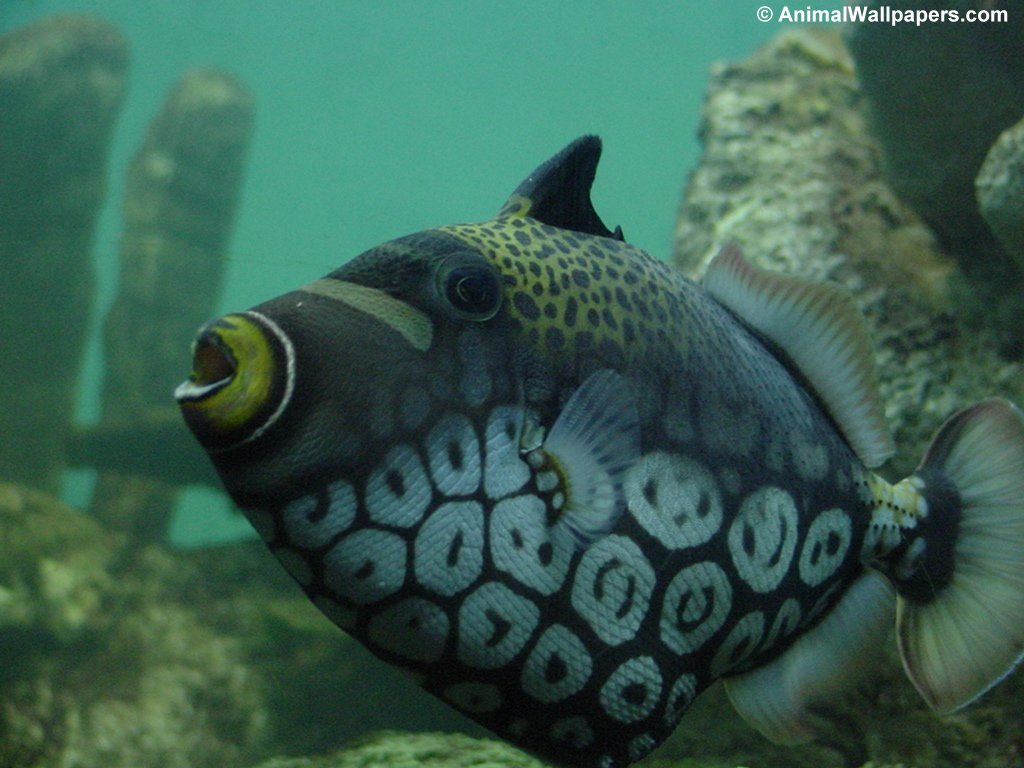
[780, 697]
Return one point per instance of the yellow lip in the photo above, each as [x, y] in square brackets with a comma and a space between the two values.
[240, 381]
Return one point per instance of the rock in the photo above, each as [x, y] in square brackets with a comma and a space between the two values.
[120, 656]
[938, 95]
[417, 750]
[181, 193]
[61, 84]
[55, 585]
[102, 664]
[1000, 190]
[791, 172]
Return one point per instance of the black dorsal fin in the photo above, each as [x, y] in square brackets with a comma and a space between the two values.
[558, 192]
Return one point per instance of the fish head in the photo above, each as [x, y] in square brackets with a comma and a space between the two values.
[316, 383]
[432, 437]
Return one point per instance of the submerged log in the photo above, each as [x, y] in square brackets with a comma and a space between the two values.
[182, 190]
[61, 85]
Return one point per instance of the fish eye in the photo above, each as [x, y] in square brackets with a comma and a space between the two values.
[473, 290]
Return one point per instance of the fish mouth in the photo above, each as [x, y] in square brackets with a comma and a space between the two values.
[243, 375]
[213, 368]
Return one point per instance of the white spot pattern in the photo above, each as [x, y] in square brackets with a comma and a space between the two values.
[786, 622]
[494, 625]
[825, 546]
[640, 746]
[448, 554]
[521, 545]
[454, 455]
[505, 472]
[305, 530]
[397, 491]
[740, 644]
[680, 696]
[631, 692]
[675, 499]
[557, 667]
[473, 697]
[366, 566]
[612, 588]
[810, 459]
[763, 537]
[414, 628]
[696, 604]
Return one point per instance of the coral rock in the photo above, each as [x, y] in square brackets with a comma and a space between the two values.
[1000, 190]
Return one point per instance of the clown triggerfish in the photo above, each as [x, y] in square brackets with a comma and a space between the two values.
[567, 489]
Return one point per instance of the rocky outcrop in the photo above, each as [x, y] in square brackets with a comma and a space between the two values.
[61, 85]
[182, 190]
[792, 172]
[938, 95]
[104, 662]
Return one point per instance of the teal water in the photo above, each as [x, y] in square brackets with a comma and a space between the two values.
[375, 119]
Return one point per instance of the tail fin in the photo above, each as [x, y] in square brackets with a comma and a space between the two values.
[960, 622]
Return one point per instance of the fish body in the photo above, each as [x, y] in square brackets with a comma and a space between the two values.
[567, 489]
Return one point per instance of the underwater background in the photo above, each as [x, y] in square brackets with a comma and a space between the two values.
[188, 646]
[374, 119]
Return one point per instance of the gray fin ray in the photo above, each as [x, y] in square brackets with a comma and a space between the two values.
[779, 699]
[821, 331]
[968, 634]
[595, 440]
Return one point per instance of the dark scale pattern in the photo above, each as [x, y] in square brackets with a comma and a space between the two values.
[712, 401]
[580, 292]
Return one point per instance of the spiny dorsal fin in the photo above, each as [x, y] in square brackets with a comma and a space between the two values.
[558, 192]
[821, 331]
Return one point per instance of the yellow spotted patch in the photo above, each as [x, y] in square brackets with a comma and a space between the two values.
[571, 291]
[904, 501]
